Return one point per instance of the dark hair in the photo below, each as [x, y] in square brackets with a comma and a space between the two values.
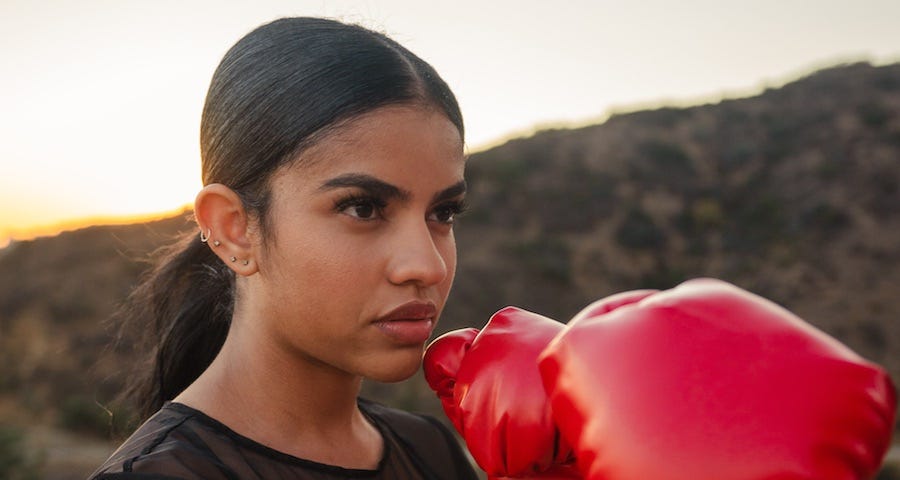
[276, 92]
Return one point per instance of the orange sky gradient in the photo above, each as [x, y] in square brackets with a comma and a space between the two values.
[100, 100]
[26, 233]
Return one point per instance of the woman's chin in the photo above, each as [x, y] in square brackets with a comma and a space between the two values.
[395, 371]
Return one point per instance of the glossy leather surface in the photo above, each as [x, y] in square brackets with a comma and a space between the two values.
[708, 381]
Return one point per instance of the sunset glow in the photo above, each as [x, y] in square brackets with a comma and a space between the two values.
[82, 222]
[101, 100]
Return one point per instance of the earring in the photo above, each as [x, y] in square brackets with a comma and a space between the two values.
[216, 243]
[246, 262]
[233, 259]
[205, 238]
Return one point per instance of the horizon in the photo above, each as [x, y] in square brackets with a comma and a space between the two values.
[10, 237]
[105, 102]
[75, 224]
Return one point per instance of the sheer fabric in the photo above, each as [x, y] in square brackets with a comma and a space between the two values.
[179, 442]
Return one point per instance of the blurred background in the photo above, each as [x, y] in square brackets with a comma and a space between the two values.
[613, 146]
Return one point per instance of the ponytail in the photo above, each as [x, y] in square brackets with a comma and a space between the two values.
[181, 311]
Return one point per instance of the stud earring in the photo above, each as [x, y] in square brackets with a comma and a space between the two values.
[216, 243]
[246, 262]
[205, 238]
[233, 259]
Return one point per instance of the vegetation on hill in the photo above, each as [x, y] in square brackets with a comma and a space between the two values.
[793, 194]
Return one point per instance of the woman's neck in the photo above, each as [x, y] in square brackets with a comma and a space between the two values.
[289, 403]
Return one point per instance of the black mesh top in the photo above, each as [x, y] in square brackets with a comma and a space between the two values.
[179, 442]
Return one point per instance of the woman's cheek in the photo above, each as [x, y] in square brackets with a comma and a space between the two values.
[448, 251]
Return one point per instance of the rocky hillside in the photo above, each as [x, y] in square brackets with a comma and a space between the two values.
[793, 194]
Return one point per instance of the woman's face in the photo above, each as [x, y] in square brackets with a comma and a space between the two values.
[361, 255]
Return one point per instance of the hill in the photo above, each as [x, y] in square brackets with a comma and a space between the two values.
[793, 194]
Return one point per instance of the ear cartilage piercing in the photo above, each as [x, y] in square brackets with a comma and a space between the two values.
[246, 262]
[205, 238]
[216, 243]
[233, 259]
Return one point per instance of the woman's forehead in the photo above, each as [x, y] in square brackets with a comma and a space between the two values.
[398, 143]
[389, 134]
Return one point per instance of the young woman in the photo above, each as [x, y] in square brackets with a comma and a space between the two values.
[332, 162]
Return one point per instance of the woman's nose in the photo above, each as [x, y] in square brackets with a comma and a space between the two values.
[416, 257]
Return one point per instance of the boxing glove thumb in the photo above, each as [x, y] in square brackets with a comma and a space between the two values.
[491, 390]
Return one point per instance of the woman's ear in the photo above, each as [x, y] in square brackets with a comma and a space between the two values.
[225, 226]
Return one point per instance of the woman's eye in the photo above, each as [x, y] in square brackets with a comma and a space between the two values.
[361, 208]
[447, 213]
[444, 215]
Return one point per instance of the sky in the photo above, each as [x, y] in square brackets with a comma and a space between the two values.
[100, 100]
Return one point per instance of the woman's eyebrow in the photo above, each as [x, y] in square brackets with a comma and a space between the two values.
[382, 189]
[368, 183]
[455, 190]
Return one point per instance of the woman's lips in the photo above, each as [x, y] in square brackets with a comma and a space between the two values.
[410, 323]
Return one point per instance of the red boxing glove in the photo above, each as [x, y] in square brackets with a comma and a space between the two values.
[707, 381]
[490, 388]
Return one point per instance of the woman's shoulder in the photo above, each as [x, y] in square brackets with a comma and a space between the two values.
[408, 425]
[175, 443]
[428, 441]
[182, 443]
[406, 420]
